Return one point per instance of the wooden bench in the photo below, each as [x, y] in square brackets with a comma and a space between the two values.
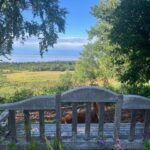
[79, 136]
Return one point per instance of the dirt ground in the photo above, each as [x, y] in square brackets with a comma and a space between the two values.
[109, 115]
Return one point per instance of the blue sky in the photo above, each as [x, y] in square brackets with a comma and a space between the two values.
[79, 18]
[78, 21]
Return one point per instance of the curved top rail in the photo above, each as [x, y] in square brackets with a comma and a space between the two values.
[89, 94]
[135, 102]
[34, 103]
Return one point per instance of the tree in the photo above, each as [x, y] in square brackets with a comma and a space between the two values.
[96, 61]
[48, 19]
[131, 31]
[86, 68]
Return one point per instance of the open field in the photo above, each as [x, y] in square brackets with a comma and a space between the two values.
[20, 84]
[35, 81]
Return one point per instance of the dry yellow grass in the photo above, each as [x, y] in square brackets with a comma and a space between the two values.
[27, 76]
[36, 81]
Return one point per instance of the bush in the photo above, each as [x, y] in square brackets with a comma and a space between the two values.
[20, 94]
[143, 90]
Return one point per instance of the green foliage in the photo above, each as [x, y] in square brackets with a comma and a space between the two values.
[53, 144]
[36, 66]
[47, 20]
[19, 94]
[65, 81]
[96, 61]
[11, 146]
[22, 94]
[19, 81]
[87, 66]
[146, 144]
[143, 90]
[131, 31]
[32, 146]
[119, 44]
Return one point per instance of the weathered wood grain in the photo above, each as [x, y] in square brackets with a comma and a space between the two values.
[101, 120]
[133, 124]
[34, 103]
[89, 94]
[27, 125]
[12, 125]
[77, 132]
[117, 118]
[42, 125]
[135, 102]
[58, 116]
[87, 121]
[147, 122]
[74, 122]
[66, 130]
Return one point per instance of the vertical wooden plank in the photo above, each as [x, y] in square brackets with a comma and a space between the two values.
[42, 125]
[74, 121]
[117, 118]
[58, 116]
[87, 121]
[147, 121]
[132, 125]
[12, 126]
[9, 122]
[101, 120]
[27, 125]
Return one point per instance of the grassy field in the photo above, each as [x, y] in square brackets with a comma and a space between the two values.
[36, 81]
[18, 85]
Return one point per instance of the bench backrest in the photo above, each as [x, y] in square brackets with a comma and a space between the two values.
[87, 95]
[135, 103]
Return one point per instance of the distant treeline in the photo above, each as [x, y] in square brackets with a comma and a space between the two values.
[38, 66]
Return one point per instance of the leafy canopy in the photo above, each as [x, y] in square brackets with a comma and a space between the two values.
[47, 20]
[131, 31]
[121, 44]
[96, 59]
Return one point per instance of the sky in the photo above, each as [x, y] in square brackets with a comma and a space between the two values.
[69, 45]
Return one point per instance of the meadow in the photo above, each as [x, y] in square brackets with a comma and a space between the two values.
[36, 81]
[23, 80]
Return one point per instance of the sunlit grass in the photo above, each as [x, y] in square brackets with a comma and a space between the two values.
[26, 76]
[36, 81]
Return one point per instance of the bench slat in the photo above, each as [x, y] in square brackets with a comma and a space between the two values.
[74, 121]
[42, 125]
[27, 125]
[132, 126]
[101, 120]
[117, 118]
[147, 121]
[58, 116]
[87, 121]
[12, 125]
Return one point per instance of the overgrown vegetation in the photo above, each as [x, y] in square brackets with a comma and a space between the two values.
[118, 64]
[119, 47]
[37, 66]
[53, 144]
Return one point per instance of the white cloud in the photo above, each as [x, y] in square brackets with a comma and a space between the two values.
[63, 42]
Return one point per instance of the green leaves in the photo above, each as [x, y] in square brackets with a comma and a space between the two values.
[46, 21]
[120, 43]
[131, 31]
[96, 61]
